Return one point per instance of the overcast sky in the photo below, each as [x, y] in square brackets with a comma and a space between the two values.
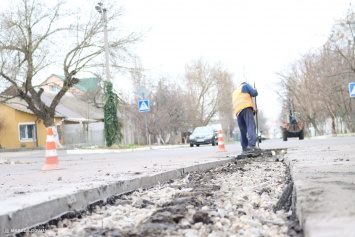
[252, 39]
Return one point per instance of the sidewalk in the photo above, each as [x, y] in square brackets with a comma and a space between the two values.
[324, 186]
[323, 172]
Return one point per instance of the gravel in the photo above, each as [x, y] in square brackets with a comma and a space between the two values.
[236, 199]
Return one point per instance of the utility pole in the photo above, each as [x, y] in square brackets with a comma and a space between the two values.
[103, 11]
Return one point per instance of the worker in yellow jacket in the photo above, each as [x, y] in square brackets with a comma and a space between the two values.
[243, 107]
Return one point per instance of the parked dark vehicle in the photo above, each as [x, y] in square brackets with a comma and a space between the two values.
[204, 135]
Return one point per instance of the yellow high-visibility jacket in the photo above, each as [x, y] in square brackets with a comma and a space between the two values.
[241, 100]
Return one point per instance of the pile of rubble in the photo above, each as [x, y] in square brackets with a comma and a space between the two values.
[236, 199]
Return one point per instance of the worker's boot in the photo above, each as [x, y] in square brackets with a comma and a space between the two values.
[252, 151]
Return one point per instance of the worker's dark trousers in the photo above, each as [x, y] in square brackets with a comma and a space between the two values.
[247, 128]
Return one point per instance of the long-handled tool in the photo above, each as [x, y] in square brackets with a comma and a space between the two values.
[256, 117]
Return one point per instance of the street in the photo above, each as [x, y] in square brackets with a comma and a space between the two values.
[86, 178]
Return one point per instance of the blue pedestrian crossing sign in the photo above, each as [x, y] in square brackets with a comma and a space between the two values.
[143, 106]
[352, 89]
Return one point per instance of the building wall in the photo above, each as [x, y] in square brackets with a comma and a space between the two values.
[54, 80]
[80, 134]
[9, 128]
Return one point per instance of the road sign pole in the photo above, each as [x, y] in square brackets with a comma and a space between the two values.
[142, 93]
[146, 129]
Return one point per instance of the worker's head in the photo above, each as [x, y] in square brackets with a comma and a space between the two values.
[243, 83]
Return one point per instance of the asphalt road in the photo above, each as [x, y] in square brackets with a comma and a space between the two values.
[323, 172]
[173, 152]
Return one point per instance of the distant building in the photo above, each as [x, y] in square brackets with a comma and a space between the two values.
[55, 82]
[76, 120]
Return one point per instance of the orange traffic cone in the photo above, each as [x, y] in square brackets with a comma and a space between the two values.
[221, 147]
[51, 162]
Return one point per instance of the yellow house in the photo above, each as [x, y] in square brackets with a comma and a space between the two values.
[19, 127]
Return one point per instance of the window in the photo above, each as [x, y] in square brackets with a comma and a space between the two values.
[53, 88]
[27, 132]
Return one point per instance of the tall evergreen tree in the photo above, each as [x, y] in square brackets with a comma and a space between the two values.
[112, 124]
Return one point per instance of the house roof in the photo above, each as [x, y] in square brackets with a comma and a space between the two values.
[70, 107]
[10, 91]
[18, 104]
[21, 105]
[84, 84]
[73, 107]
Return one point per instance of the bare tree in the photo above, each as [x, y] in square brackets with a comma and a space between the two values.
[95, 96]
[225, 88]
[298, 91]
[342, 39]
[208, 92]
[342, 43]
[317, 83]
[167, 115]
[34, 35]
[262, 122]
[317, 86]
[137, 73]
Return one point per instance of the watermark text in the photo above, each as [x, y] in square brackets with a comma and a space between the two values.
[26, 230]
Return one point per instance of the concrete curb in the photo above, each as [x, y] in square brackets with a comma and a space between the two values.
[103, 151]
[41, 213]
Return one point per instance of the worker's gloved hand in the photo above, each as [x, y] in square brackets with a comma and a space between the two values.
[255, 111]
